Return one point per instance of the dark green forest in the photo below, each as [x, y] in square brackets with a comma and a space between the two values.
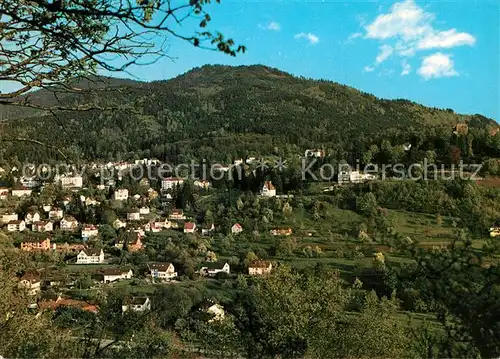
[221, 112]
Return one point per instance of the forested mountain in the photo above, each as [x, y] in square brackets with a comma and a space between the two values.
[218, 112]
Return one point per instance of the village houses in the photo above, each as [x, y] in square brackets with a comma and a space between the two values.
[21, 192]
[134, 215]
[70, 182]
[206, 229]
[137, 304]
[16, 226]
[236, 228]
[30, 282]
[42, 226]
[281, 232]
[162, 271]
[170, 183]
[213, 268]
[134, 242]
[37, 245]
[7, 217]
[260, 268]
[177, 214]
[189, 227]
[32, 217]
[109, 275]
[90, 256]
[56, 213]
[89, 231]
[268, 190]
[120, 195]
[69, 223]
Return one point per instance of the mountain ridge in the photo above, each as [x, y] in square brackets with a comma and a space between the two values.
[261, 108]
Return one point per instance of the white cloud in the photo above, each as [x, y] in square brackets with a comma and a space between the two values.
[407, 29]
[313, 39]
[354, 36]
[369, 69]
[405, 19]
[406, 68]
[446, 39]
[385, 53]
[272, 25]
[436, 66]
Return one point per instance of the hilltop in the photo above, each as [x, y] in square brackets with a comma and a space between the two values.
[220, 111]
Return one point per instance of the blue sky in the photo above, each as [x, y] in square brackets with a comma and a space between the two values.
[438, 53]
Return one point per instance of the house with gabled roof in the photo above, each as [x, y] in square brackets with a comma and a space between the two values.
[31, 283]
[268, 189]
[260, 267]
[213, 268]
[189, 227]
[90, 256]
[136, 304]
[162, 271]
[177, 214]
[109, 275]
[42, 226]
[236, 228]
[31, 217]
[16, 226]
[89, 231]
[69, 223]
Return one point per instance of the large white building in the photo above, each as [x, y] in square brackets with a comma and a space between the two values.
[90, 256]
[162, 271]
[120, 195]
[172, 182]
[71, 181]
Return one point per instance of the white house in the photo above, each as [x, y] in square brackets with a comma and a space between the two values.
[32, 217]
[89, 230]
[120, 195]
[172, 182]
[177, 214]
[110, 275]
[137, 304]
[90, 256]
[7, 217]
[31, 283]
[236, 228]
[42, 226]
[69, 182]
[69, 224]
[260, 268]
[212, 268]
[189, 227]
[268, 189]
[46, 207]
[206, 229]
[162, 271]
[23, 192]
[16, 226]
[144, 211]
[133, 216]
[56, 213]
